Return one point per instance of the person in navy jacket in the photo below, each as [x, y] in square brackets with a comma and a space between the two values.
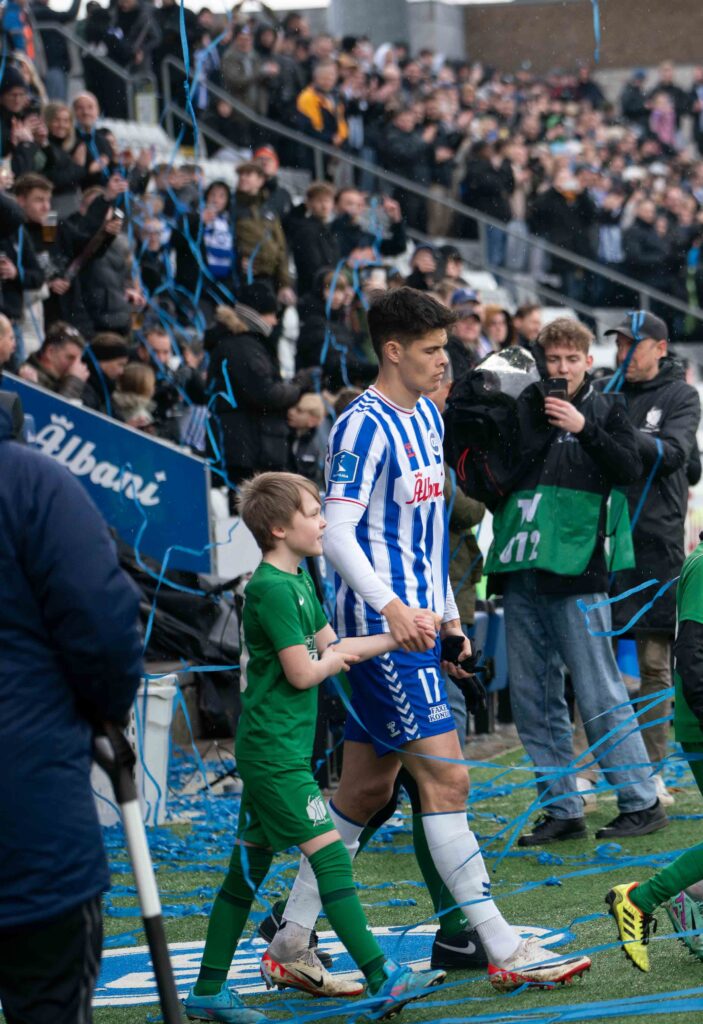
[71, 655]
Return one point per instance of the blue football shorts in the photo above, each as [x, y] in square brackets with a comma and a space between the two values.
[397, 698]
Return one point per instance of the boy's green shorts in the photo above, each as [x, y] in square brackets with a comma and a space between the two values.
[281, 806]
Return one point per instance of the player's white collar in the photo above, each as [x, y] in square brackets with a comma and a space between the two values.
[387, 401]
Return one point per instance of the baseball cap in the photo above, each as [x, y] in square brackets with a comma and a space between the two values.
[651, 327]
[266, 151]
[464, 295]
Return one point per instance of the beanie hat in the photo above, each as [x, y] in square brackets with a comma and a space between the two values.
[12, 79]
[259, 297]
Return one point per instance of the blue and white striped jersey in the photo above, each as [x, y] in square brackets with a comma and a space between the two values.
[389, 462]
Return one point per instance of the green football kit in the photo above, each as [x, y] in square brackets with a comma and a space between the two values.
[688, 868]
[281, 804]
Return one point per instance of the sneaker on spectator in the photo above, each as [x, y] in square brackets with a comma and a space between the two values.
[635, 823]
[665, 797]
[547, 829]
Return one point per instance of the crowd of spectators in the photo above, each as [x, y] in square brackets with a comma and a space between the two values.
[124, 279]
[618, 181]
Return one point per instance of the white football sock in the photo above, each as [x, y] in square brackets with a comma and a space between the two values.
[304, 903]
[458, 860]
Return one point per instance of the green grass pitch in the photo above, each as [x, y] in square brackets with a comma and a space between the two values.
[554, 906]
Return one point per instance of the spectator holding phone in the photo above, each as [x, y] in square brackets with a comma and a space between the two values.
[548, 550]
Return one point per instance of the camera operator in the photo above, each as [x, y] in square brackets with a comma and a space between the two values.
[548, 550]
[663, 408]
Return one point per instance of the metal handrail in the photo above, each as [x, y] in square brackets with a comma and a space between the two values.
[512, 276]
[647, 294]
[131, 79]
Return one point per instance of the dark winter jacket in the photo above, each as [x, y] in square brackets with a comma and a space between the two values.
[462, 358]
[314, 246]
[97, 145]
[19, 249]
[349, 235]
[526, 453]
[407, 154]
[70, 648]
[55, 45]
[633, 104]
[646, 253]
[667, 409]
[307, 455]
[570, 225]
[131, 32]
[488, 189]
[98, 391]
[103, 284]
[255, 434]
[333, 337]
[277, 199]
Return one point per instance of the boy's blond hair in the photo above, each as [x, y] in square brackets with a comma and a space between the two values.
[272, 499]
[565, 331]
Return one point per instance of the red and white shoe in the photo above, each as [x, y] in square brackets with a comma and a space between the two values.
[533, 964]
[307, 974]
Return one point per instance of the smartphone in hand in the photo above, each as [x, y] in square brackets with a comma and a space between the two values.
[556, 387]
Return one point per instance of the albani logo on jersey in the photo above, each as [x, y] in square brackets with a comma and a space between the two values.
[127, 976]
[425, 489]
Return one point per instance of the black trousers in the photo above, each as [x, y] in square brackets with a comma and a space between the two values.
[48, 969]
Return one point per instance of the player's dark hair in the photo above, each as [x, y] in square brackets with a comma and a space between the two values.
[405, 315]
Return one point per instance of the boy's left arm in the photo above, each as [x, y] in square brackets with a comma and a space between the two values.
[366, 647]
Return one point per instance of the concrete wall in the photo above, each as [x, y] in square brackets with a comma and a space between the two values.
[634, 33]
[437, 25]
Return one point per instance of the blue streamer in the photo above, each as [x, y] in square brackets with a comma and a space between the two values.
[596, 30]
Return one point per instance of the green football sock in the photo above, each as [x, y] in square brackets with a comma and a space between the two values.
[333, 872]
[686, 869]
[247, 868]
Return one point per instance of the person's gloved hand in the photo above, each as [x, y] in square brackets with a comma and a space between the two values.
[473, 689]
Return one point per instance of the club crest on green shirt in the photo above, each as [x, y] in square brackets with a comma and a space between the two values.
[316, 810]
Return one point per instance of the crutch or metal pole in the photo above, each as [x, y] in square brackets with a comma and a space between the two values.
[114, 755]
